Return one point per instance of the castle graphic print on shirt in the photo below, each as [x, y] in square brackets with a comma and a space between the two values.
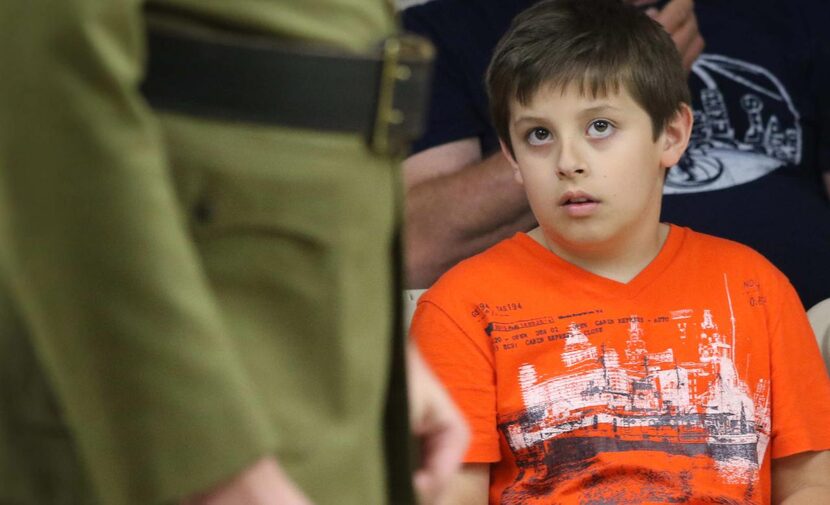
[609, 402]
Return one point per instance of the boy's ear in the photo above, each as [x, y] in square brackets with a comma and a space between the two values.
[512, 160]
[676, 136]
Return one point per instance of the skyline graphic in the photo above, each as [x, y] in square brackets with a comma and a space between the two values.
[606, 400]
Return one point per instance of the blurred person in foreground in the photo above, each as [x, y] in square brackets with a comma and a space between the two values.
[197, 297]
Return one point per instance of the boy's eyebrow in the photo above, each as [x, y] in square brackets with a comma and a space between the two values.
[530, 119]
[599, 108]
[596, 109]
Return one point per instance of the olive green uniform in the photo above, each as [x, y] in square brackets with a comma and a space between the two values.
[181, 296]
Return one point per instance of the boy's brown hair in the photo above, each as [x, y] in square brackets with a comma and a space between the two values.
[599, 45]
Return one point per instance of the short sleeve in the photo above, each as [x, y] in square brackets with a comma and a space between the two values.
[466, 370]
[799, 381]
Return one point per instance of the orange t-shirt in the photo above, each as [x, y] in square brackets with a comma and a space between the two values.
[676, 387]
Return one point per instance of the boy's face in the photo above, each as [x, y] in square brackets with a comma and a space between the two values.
[591, 168]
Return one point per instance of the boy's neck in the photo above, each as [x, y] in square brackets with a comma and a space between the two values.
[621, 260]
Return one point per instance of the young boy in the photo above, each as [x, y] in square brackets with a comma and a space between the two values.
[606, 357]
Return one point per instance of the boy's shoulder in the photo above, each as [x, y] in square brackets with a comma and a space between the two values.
[712, 255]
[500, 263]
[502, 255]
[722, 250]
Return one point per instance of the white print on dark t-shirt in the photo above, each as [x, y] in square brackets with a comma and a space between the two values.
[745, 126]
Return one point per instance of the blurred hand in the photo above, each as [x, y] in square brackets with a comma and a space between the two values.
[679, 20]
[438, 425]
[262, 483]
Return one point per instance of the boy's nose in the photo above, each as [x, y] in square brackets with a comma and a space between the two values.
[570, 163]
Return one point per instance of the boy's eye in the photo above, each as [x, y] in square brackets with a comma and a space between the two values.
[600, 128]
[538, 136]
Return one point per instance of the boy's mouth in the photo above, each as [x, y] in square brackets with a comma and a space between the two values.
[578, 204]
[577, 198]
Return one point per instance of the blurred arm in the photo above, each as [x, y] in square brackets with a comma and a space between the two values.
[440, 428]
[470, 486]
[458, 204]
[801, 479]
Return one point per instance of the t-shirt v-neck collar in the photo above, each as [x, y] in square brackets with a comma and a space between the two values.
[611, 287]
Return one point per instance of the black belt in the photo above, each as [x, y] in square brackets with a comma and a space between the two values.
[240, 77]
